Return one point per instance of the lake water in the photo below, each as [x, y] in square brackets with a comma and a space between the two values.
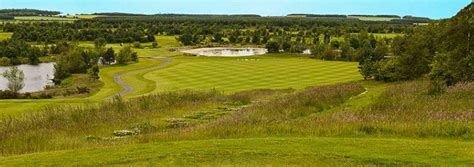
[227, 52]
[36, 76]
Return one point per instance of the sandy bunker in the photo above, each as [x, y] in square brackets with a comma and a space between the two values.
[226, 52]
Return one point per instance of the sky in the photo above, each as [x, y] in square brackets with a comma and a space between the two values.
[428, 8]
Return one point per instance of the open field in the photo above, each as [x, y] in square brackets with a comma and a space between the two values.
[265, 151]
[42, 18]
[372, 18]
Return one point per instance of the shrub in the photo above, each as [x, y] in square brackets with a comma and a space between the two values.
[5, 61]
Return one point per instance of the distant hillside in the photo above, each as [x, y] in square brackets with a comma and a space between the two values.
[369, 18]
[27, 12]
[383, 16]
[318, 15]
[206, 15]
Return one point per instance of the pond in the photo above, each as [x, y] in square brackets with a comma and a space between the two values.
[226, 52]
[36, 76]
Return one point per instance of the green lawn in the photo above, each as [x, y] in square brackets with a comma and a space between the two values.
[238, 74]
[264, 151]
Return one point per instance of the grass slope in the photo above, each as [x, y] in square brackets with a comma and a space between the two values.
[264, 151]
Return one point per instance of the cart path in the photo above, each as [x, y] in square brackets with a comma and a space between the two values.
[127, 88]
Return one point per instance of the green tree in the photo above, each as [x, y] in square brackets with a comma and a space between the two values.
[154, 44]
[100, 43]
[125, 55]
[273, 46]
[15, 79]
[109, 56]
[456, 61]
[93, 72]
[186, 39]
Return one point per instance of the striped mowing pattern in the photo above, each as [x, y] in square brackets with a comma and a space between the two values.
[238, 74]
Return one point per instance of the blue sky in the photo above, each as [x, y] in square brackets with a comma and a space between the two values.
[428, 8]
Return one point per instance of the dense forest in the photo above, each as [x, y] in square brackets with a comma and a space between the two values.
[27, 12]
[442, 51]
[237, 29]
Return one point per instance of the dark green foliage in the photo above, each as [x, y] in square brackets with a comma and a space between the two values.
[137, 45]
[125, 55]
[14, 50]
[109, 56]
[134, 56]
[455, 63]
[26, 12]
[79, 61]
[273, 47]
[154, 44]
[93, 72]
[100, 43]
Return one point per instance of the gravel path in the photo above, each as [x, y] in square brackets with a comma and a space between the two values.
[128, 88]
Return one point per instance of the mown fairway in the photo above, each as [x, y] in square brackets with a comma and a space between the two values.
[247, 73]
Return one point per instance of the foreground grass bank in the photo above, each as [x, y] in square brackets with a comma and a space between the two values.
[264, 151]
[358, 123]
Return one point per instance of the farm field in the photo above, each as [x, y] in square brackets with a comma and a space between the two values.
[42, 18]
[372, 18]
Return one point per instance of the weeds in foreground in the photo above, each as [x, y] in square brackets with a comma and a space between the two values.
[403, 110]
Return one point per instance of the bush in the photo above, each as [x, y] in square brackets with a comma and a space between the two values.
[137, 45]
[154, 45]
[83, 90]
[5, 61]
[6, 94]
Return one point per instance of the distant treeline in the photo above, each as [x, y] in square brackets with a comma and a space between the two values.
[409, 18]
[175, 15]
[416, 18]
[26, 12]
[7, 17]
[206, 15]
[118, 14]
[318, 15]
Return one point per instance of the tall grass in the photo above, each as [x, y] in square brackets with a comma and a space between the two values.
[58, 128]
[403, 110]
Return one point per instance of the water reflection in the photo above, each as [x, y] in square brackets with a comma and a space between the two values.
[36, 76]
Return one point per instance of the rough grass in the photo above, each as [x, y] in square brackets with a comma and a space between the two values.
[67, 127]
[242, 128]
